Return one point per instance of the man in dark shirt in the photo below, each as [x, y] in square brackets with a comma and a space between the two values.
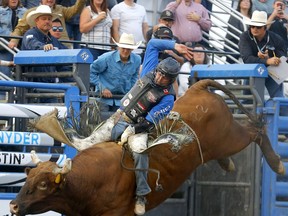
[39, 38]
[258, 45]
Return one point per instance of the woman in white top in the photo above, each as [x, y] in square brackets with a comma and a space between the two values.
[95, 26]
[198, 58]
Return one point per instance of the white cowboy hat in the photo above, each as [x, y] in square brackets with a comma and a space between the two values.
[259, 18]
[127, 41]
[41, 10]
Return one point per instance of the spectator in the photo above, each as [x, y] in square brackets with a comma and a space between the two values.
[245, 8]
[263, 5]
[31, 3]
[162, 31]
[115, 72]
[10, 12]
[131, 18]
[278, 20]
[39, 38]
[66, 14]
[256, 44]
[190, 19]
[166, 19]
[198, 58]
[95, 26]
[57, 28]
[72, 25]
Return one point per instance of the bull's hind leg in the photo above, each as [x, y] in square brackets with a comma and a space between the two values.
[271, 157]
[226, 164]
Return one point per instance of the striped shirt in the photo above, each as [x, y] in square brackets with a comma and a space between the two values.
[101, 33]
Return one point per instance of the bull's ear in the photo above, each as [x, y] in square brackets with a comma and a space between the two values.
[27, 170]
[58, 178]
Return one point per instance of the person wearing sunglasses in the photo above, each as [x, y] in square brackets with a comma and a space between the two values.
[40, 38]
[57, 28]
[258, 45]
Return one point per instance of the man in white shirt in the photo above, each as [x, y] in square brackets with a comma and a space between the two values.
[130, 18]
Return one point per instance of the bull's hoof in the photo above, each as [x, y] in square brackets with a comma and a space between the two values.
[281, 169]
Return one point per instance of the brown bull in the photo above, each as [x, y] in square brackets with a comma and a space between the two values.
[98, 184]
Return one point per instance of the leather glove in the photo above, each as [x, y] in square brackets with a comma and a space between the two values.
[130, 130]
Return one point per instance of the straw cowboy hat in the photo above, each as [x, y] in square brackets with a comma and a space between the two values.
[41, 10]
[127, 41]
[259, 18]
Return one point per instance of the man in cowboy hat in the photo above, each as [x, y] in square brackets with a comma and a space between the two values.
[66, 13]
[115, 72]
[39, 38]
[258, 45]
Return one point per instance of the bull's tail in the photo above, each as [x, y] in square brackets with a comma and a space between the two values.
[204, 84]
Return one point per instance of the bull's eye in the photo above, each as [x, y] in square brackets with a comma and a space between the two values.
[42, 186]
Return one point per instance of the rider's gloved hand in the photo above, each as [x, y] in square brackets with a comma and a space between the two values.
[130, 130]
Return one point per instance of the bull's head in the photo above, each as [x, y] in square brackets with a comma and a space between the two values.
[42, 183]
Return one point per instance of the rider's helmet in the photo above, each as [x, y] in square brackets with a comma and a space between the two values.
[169, 67]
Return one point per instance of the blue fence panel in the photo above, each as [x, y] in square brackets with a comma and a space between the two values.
[275, 187]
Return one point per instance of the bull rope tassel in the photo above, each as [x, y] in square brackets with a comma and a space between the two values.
[176, 116]
[158, 187]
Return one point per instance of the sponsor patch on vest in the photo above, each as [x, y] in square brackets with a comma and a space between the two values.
[141, 106]
[126, 102]
[133, 113]
[140, 83]
[151, 97]
[165, 91]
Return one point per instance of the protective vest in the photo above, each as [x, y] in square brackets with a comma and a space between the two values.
[143, 96]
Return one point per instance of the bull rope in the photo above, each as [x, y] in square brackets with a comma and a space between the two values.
[158, 186]
[175, 116]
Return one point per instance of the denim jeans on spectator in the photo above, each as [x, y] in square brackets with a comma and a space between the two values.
[106, 110]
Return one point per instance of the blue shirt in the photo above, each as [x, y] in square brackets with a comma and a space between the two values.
[150, 63]
[109, 72]
[5, 19]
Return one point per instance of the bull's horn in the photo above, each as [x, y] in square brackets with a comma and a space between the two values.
[35, 158]
[65, 169]
[67, 166]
